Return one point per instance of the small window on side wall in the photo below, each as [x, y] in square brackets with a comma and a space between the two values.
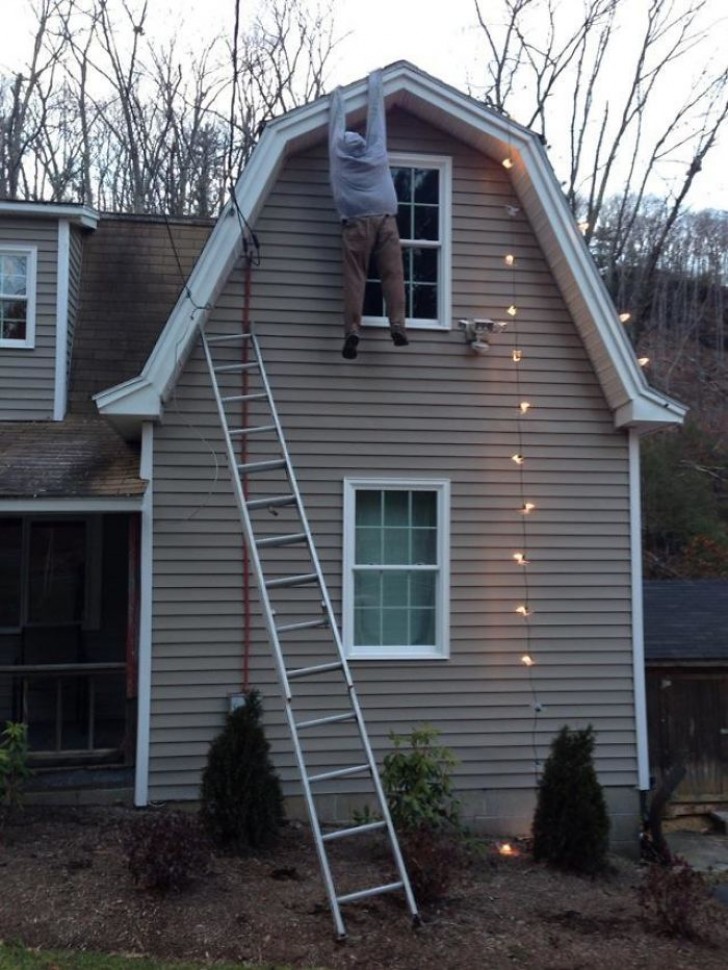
[396, 569]
[423, 186]
[17, 296]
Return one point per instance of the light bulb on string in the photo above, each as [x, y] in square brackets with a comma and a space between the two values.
[527, 508]
[524, 407]
[625, 317]
[523, 611]
[510, 259]
[512, 210]
[507, 163]
[643, 361]
[512, 310]
[519, 459]
[517, 355]
[520, 558]
[527, 660]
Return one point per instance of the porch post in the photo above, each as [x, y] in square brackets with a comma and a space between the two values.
[141, 782]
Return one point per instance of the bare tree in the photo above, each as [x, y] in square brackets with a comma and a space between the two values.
[609, 91]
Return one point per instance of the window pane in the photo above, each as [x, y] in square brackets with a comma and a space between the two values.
[396, 547]
[424, 301]
[426, 185]
[368, 507]
[395, 588]
[424, 265]
[424, 508]
[424, 547]
[402, 178]
[56, 572]
[422, 629]
[422, 589]
[404, 221]
[368, 588]
[367, 627]
[426, 222]
[396, 508]
[368, 546]
[395, 628]
[10, 330]
[373, 300]
[10, 550]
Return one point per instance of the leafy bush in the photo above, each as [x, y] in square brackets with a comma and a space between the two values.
[242, 804]
[166, 850]
[674, 899]
[571, 824]
[417, 781]
[14, 769]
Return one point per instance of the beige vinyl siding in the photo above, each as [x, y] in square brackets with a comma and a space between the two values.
[435, 410]
[27, 377]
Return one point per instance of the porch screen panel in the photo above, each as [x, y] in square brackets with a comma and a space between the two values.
[11, 543]
[56, 571]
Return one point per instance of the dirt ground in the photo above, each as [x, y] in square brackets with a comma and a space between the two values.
[65, 884]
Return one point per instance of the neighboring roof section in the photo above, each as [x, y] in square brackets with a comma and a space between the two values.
[686, 620]
[633, 402]
[130, 280]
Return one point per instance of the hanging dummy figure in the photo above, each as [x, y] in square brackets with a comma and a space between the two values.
[364, 194]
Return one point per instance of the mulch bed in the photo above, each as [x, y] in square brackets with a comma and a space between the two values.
[65, 884]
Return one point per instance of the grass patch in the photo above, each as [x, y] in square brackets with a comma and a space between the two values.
[20, 958]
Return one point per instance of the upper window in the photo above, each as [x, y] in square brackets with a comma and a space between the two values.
[396, 554]
[17, 296]
[423, 190]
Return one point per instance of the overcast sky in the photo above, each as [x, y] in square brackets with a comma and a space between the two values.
[439, 36]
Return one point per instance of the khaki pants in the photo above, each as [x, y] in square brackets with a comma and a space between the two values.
[360, 239]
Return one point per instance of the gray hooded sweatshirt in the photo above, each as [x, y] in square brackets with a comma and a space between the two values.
[359, 167]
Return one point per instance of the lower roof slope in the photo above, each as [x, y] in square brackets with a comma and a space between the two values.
[686, 620]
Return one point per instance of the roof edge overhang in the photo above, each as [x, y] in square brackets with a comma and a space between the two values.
[633, 402]
[79, 215]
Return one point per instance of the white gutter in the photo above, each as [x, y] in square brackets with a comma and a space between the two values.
[638, 635]
[144, 660]
[60, 394]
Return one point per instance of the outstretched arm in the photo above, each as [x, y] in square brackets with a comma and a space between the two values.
[376, 117]
[337, 121]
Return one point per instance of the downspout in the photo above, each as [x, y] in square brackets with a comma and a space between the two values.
[638, 636]
[141, 780]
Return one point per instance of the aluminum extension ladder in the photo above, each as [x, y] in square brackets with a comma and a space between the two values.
[310, 670]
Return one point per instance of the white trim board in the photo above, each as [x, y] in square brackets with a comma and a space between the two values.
[60, 393]
[146, 578]
[70, 506]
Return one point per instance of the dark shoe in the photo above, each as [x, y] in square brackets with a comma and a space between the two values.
[350, 345]
[399, 338]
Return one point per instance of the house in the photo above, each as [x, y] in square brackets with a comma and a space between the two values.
[686, 654]
[510, 453]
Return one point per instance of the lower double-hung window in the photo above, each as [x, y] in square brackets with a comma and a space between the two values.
[17, 296]
[396, 551]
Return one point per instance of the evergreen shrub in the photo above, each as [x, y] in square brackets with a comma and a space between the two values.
[241, 800]
[571, 824]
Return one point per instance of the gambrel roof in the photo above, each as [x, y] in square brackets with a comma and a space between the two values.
[633, 402]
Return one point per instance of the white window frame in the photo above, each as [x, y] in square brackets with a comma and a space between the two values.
[31, 255]
[441, 649]
[443, 163]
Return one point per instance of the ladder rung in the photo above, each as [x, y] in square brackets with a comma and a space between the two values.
[354, 830]
[260, 466]
[304, 579]
[312, 671]
[229, 368]
[222, 340]
[238, 398]
[339, 773]
[305, 625]
[390, 887]
[331, 719]
[288, 540]
[273, 501]
[260, 429]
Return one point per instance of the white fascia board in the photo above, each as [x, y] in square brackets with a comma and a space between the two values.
[135, 398]
[69, 506]
[77, 215]
[649, 414]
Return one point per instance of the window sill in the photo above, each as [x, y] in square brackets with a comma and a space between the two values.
[416, 324]
[16, 345]
[395, 654]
